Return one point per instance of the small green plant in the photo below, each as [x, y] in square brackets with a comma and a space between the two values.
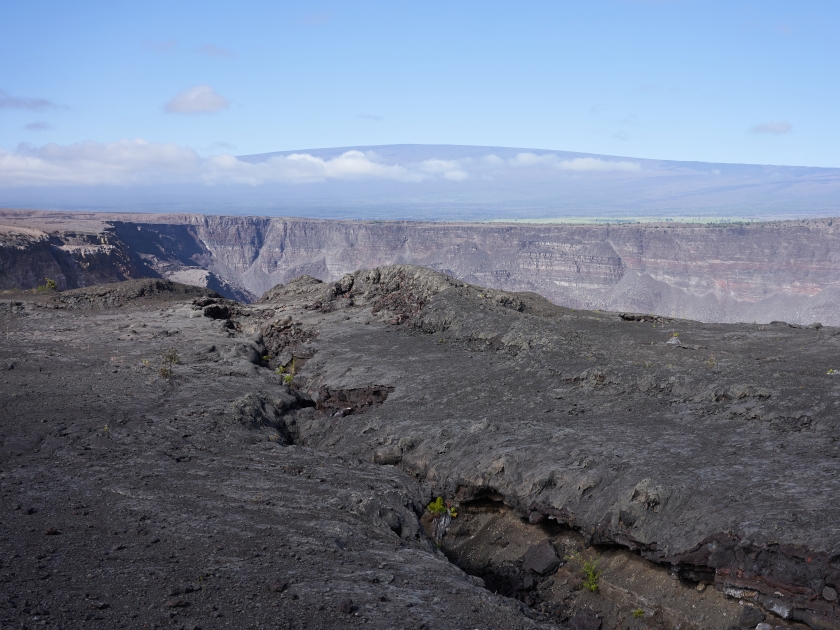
[49, 285]
[675, 334]
[833, 371]
[711, 362]
[591, 573]
[439, 508]
[170, 358]
[287, 372]
[638, 613]
[266, 358]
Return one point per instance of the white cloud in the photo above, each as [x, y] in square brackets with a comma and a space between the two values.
[201, 99]
[452, 170]
[301, 168]
[550, 160]
[137, 161]
[93, 163]
[776, 128]
[492, 160]
[530, 159]
[130, 162]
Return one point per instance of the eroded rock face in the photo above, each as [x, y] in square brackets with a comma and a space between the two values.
[784, 271]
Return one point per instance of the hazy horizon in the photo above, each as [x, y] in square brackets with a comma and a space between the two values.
[623, 108]
[449, 183]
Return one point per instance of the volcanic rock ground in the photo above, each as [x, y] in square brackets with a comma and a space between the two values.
[170, 458]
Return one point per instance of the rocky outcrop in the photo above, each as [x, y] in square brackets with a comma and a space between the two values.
[28, 257]
[710, 449]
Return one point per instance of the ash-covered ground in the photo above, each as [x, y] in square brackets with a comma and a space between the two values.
[170, 458]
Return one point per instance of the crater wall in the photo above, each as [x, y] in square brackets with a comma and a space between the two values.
[760, 272]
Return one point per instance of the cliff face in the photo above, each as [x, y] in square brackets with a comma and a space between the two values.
[758, 272]
[29, 256]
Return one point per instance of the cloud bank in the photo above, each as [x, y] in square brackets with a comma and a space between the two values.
[201, 99]
[131, 162]
[550, 160]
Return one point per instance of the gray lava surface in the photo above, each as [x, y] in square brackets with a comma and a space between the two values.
[171, 458]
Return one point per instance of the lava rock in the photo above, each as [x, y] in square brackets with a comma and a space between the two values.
[388, 455]
[585, 619]
[829, 594]
[346, 606]
[750, 617]
[217, 311]
[541, 559]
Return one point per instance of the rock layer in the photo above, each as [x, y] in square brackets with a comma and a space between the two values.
[760, 272]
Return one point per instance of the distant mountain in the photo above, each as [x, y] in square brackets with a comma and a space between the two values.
[449, 182]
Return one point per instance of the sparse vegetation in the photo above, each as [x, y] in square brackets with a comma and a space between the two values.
[589, 570]
[638, 613]
[287, 372]
[833, 371]
[711, 362]
[438, 507]
[591, 573]
[170, 358]
[49, 285]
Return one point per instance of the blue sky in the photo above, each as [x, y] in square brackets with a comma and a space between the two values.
[751, 82]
